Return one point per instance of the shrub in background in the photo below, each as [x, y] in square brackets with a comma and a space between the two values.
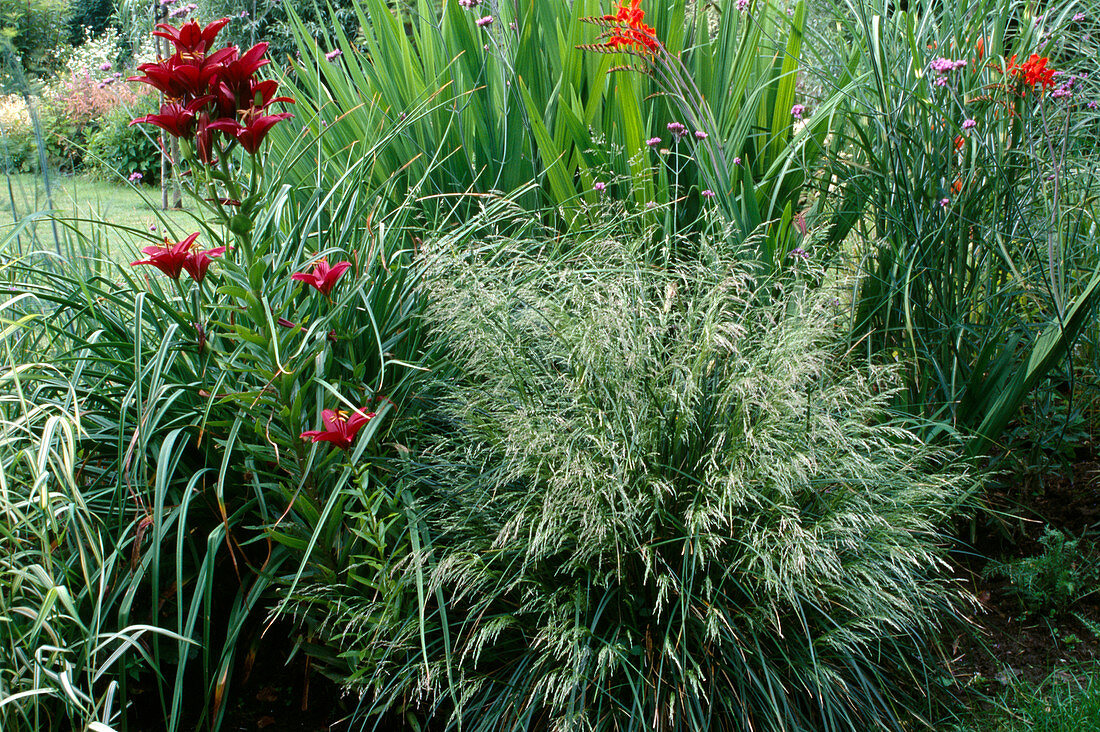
[118, 149]
[252, 22]
[653, 502]
[35, 34]
[88, 18]
[18, 150]
[98, 54]
[76, 108]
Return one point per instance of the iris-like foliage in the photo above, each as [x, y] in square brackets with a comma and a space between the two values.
[659, 504]
[976, 245]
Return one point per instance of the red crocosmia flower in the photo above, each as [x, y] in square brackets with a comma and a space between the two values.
[1033, 72]
[340, 427]
[635, 33]
[173, 258]
[190, 38]
[323, 277]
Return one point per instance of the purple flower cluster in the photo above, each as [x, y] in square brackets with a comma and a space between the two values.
[182, 10]
[943, 68]
[110, 80]
[797, 110]
[678, 130]
[1065, 89]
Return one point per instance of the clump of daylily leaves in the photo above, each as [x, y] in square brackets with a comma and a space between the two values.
[215, 105]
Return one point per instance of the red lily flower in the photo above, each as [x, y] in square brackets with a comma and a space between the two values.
[174, 118]
[182, 79]
[190, 38]
[340, 427]
[323, 277]
[211, 91]
[262, 94]
[236, 75]
[197, 263]
[251, 95]
[204, 136]
[256, 125]
[173, 259]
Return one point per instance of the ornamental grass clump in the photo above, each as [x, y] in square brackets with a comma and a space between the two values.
[656, 503]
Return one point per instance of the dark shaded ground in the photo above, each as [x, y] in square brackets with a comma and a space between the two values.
[1012, 643]
[287, 697]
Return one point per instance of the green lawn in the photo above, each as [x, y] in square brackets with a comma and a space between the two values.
[100, 210]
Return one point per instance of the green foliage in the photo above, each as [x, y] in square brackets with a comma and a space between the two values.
[972, 250]
[494, 107]
[1068, 708]
[273, 22]
[1053, 424]
[86, 18]
[1055, 579]
[58, 644]
[118, 149]
[35, 32]
[650, 501]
